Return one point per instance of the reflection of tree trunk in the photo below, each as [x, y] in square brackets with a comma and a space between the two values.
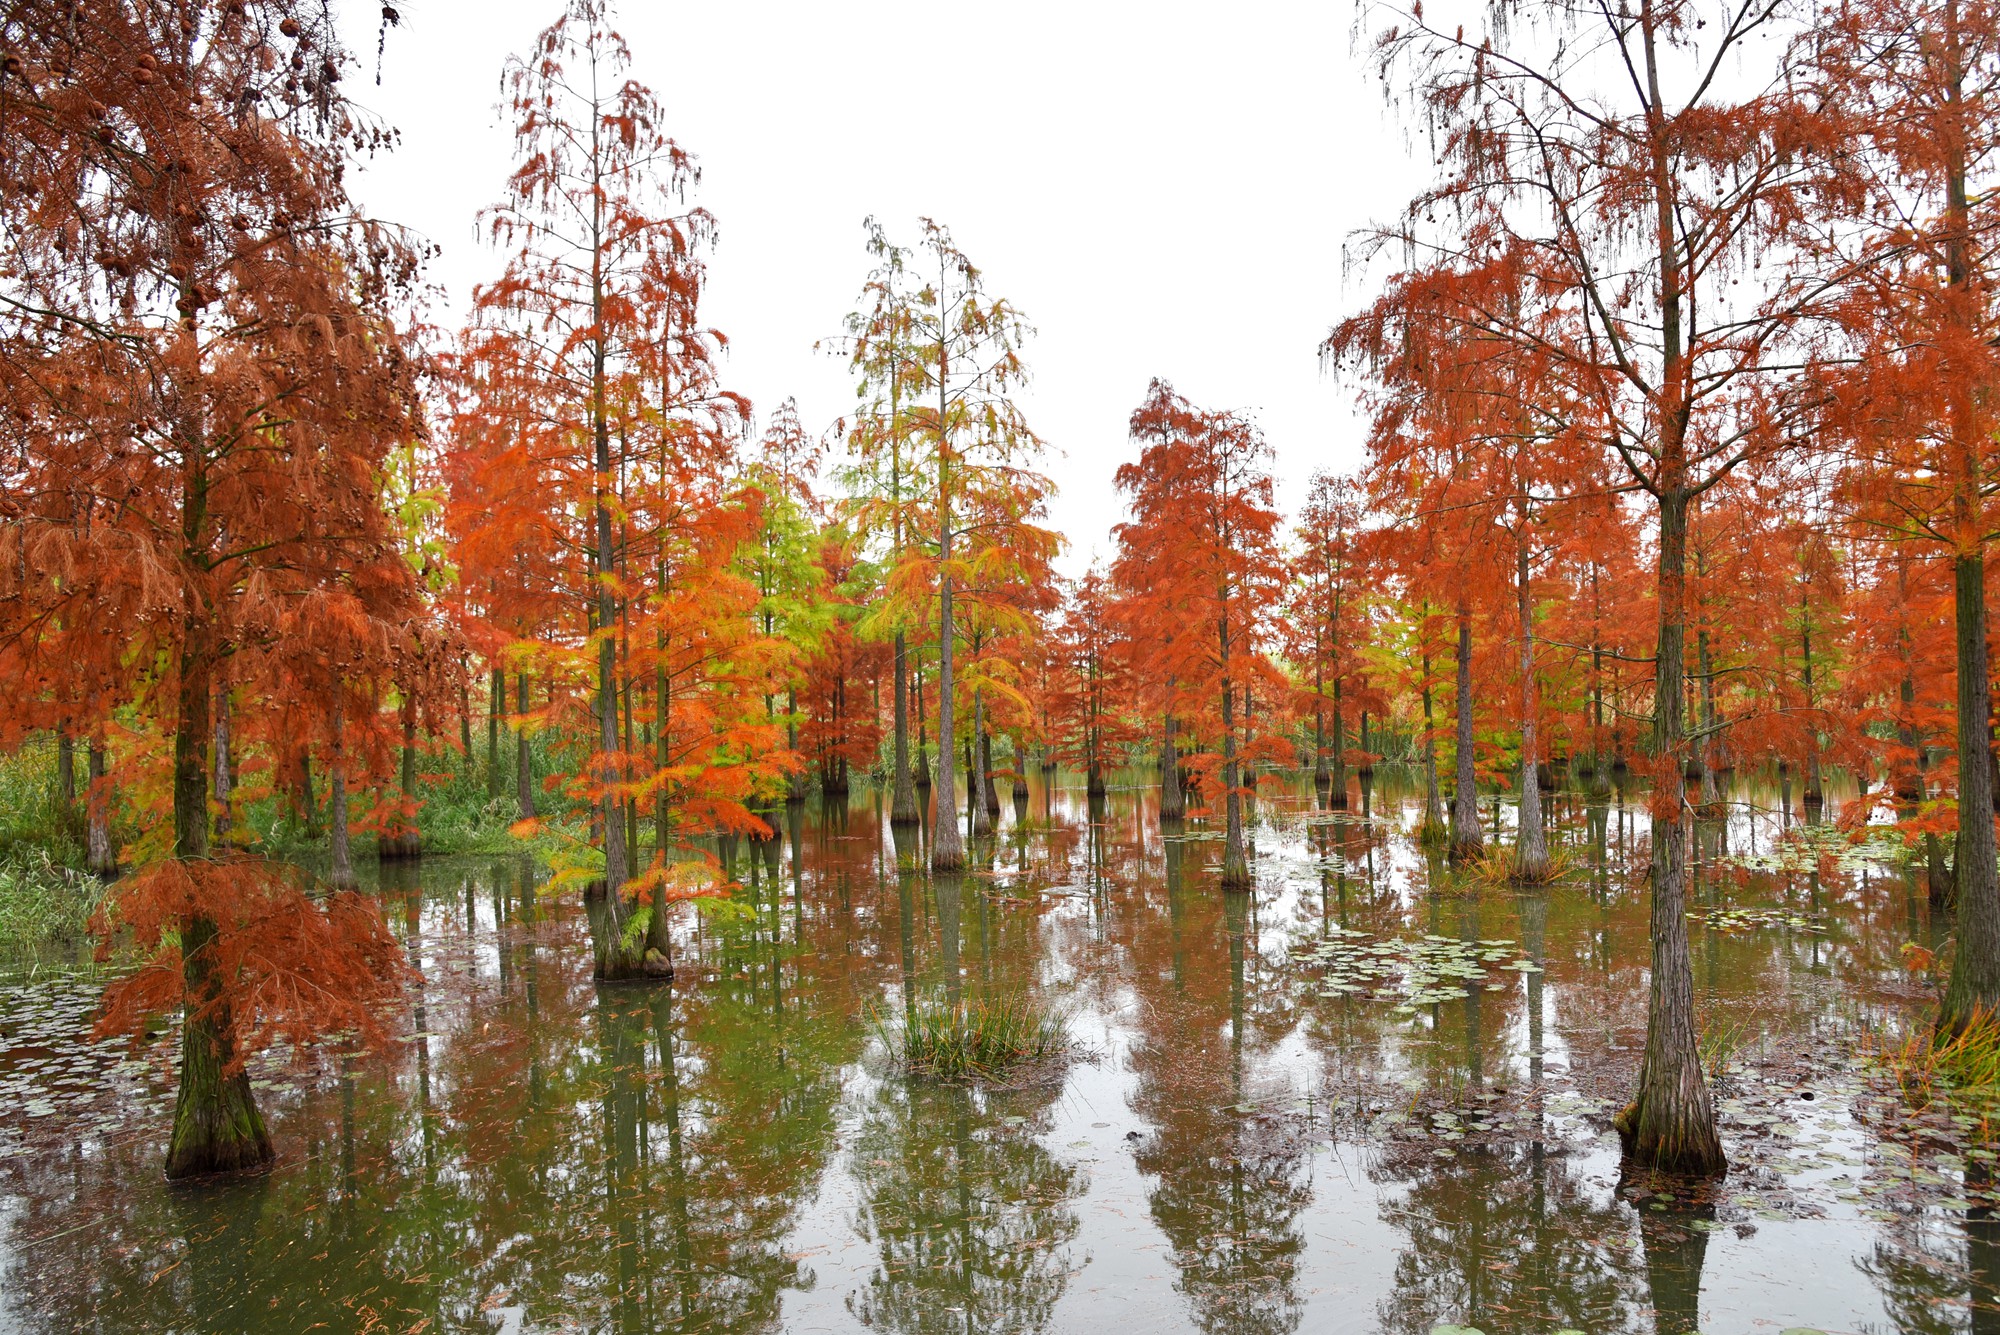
[685, 1285]
[1534, 929]
[950, 900]
[624, 1109]
[1475, 1053]
[1236, 926]
[1675, 1242]
[907, 923]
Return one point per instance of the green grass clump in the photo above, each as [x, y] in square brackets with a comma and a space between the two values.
[45, 911]
[978, 1040]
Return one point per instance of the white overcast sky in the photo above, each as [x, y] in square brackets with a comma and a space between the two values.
[1164, 189]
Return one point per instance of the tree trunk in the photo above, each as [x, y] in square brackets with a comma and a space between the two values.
[342, 870]
[524, 767]
[1433, 832]
[1336, 797]
[1671, 1123]
[65, 776]
[947, 845]
[1531, 849]
[496, 783]
[99, 855]
[1467, 838]
[1975, 970]
[220, 758]
[217, 1128]
[977, 777]
[1711, 791]
[986, 768]
[1235, 864]
[308, 800]
[1173, 805]
[903, 805]
[403, 841]
[465, 713]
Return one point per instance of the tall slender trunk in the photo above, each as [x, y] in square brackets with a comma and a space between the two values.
[947, 844]
[618, 957]
[65, 773]
[986, 770]
[465, 712]
[496, 706]
[1815, 794]
[99, 855]
[920, 771]
[216, 1128]
[1173, 804]
[1337, 792]
[1235, 863]
[524, 768]
[903, 805]
[659, 957]
[1671, 1122]
[1467, 838]
[1711, 787]
[1433, 827]
[340, 851]
[224, 785]
[407, 843]
[976, 779]
[1531, 850]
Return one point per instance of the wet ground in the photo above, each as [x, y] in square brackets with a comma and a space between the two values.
[1372, 1096]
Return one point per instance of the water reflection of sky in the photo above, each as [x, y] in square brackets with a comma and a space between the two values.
[1231, 1151]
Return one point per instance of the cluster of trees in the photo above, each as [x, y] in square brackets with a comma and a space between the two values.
[1709, 287]
[1682, 394]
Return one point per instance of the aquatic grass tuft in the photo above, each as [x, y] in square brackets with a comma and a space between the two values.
[1961, 1069]
[1495, 866]
[1718, 1045]
[980, 1039]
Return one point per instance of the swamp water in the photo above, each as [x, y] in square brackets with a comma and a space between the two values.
[1374, 1096]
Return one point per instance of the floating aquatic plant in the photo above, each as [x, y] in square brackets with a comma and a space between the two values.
[1417, 973]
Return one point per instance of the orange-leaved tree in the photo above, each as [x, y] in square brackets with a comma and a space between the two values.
[200, 350]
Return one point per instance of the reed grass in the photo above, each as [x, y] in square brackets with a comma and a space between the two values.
[977, 1040]
[1961, 1069]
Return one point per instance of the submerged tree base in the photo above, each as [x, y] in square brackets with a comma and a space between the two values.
[1686, 1145]
[217, 1128]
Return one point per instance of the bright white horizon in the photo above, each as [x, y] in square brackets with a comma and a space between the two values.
[1164, 190]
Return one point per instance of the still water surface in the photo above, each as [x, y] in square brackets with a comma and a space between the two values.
[1371, 1097]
